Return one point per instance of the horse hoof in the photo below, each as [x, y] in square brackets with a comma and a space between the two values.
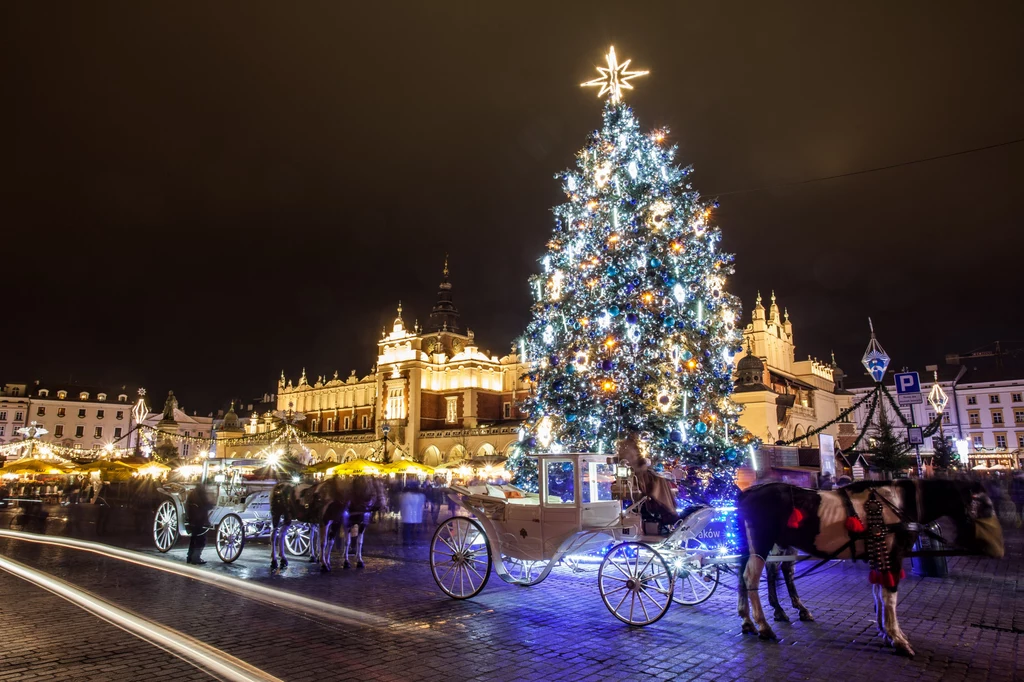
[767, 634]
[346, 565]
[360, 564]
[325, 569]
[806, 617]
[273, 565]
[749, 629]
[780, 616]
[284, 564]
[904, 649]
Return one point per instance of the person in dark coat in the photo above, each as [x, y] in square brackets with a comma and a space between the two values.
[197, 507]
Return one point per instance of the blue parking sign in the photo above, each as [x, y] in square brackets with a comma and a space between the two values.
[908, 388]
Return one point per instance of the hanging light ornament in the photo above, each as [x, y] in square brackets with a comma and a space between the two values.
[875, 359]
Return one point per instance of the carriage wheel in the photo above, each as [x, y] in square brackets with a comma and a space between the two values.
[165, 526]
[230, 538]
[636, 583]
[460, 557]
[296, 541]
[524, 573]
[696, 586]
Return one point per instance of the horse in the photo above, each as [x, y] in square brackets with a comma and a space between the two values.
[831, 524]
[346, 505]
[290, 504]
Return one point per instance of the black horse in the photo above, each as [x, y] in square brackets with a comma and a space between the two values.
[819, 523]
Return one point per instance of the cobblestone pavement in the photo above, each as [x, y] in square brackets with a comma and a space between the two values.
[965, 627]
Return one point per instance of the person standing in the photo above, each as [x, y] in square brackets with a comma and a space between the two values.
[197, 507]
[411, 504]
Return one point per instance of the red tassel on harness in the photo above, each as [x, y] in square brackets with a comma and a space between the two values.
[874, 577]
[795, 518]
[903, 574]
[888, 579]
[854, 525]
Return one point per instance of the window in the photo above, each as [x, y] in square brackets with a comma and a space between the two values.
[596, 485]
[19, 416]
[3, 416]
[366, 421]
[314, 425]
[120, 415]
[997, 416]
[993, 399]
[1020, 440]
[560, 482]
[43, 393]
[99, 414]
[507, 410]
[1001, 441]
[81, 413]
[61, 395]
[58, 431]
[101, 396]
[117, 432]
[346, 423]
[83, 396]
[396, 403]
[977, 443]
[945, 418]
[15, 391]
[972, 400]
[973, 417]
[79, 431]
[451, 410]
[98, 433]
[61, 411]
[330, 424]
[1015, 397]
[1018, 416]
[3, 428]
[122, 398]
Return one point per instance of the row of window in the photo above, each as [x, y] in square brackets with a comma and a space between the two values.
[979, 441]
[18, 416]
[974, 417]
[58, 431]
[314, 424]
[61, 411]
[993, 398]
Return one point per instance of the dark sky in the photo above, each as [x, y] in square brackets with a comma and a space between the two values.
[197, 195]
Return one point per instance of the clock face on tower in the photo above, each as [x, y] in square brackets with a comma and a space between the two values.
[434, 345]
[456, 346]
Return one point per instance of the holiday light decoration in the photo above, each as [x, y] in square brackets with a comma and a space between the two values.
[657, 358]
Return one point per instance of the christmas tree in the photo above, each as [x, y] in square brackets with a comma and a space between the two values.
[632, 329]
[889, 451]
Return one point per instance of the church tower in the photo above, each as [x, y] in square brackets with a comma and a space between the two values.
[444, 316]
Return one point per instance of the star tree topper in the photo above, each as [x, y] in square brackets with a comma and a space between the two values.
[615, 78]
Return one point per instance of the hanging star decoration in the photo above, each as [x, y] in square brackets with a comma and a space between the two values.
[615, 78]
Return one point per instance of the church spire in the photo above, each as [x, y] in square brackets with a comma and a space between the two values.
[444, 316]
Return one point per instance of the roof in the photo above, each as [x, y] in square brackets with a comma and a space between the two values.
[75, 390]
[979, 370]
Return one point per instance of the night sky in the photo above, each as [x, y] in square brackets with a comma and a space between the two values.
[197, 195]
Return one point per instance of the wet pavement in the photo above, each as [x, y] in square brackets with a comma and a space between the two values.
[966, 626]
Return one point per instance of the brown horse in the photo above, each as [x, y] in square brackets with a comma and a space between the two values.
[346, 505]
[290, 504]
[820, 523]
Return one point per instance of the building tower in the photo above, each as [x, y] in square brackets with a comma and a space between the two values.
[444, 316]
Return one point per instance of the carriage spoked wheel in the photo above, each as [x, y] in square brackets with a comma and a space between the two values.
[165, 526]
[523, 572]
[230, 538]
[695, 584]
[636, 583]
[296, 540]
[460, 557]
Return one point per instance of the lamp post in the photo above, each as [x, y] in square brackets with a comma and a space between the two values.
[938, 399]
[139, 413]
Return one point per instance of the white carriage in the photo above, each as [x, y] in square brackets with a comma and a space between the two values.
[233, 523]
[522, 536]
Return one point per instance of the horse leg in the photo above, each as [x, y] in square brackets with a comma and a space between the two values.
[348, 544]
[326, 547]
[752, 576]
[281, 537]
[359, 546]
[273, 538]
[314, 543]
[876, 593]
[772, 570]
[794, 598]
[744, 605]
[892, 625]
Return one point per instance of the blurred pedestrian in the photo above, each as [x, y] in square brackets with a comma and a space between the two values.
[197, 507]
[102, 503]
[411, 504]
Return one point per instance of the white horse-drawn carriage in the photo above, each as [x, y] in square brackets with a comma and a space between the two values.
[522, 536]
[233, 523]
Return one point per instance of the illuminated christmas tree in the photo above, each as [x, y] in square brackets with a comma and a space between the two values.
[632, 329]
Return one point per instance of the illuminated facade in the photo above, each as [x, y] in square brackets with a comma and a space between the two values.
[784, 398]
[441, 396]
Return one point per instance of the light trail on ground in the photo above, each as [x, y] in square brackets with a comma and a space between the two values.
[249, 590]
[207, 658]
